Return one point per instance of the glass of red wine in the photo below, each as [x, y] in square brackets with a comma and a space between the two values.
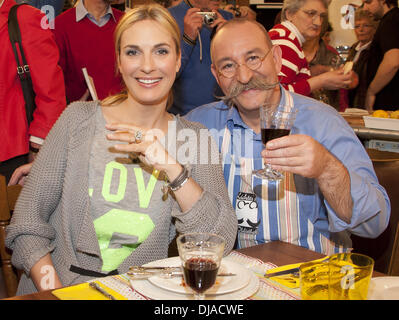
[201, 255]
[275, 122]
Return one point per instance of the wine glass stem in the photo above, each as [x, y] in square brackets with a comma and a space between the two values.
[268, 167]
[199, 296]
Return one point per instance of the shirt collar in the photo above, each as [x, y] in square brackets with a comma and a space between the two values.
[82, 12]
[360, 47]
[234, 118]
[294, 30]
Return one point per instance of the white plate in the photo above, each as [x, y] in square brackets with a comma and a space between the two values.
[147, 289]
[223, 284]
[384, 288]
[354, 112]
[155, 291]
[381, 123]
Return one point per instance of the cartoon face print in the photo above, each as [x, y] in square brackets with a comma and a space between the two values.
[247, 211]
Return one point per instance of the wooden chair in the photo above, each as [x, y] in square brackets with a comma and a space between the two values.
[382, 249]
[8, 198]
[394, 264]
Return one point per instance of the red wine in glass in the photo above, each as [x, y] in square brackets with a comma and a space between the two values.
[272, 133]
[275, 122]
[200, 273]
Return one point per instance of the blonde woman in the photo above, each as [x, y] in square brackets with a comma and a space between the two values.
[104, 193]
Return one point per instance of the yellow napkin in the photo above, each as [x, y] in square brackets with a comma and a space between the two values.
[288, 280]
[84, 292]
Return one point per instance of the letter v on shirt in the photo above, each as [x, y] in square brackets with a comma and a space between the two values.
[119, 231]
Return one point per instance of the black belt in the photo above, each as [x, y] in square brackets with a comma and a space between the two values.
[91, 273]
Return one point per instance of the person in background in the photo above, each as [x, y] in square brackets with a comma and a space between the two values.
[174, 3]
[241, 11]
[168, 3]
[84, 35]
[22, 141]
[330, 189]
[327, 34]
[277, 18]
[111, 188]
[195, 85]
[323, 58]
[301, 21]
[383, 65]
[58, 5]
[359, 53]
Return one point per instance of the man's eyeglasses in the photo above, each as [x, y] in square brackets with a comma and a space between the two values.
[228, 69]
[313, 14]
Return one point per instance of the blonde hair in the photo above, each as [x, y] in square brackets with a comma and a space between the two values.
[153, 12]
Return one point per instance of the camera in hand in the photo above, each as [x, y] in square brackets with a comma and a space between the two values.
[209, 17]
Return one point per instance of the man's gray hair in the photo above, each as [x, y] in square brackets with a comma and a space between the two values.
[293, 6]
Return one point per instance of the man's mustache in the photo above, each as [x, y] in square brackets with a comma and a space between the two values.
[255, 83]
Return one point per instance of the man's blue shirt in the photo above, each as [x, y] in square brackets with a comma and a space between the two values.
[295, 210]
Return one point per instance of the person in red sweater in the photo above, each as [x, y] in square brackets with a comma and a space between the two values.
[84, 35]
[302, 20]
[48, 83]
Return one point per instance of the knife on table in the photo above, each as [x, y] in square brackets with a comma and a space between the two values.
[163, 274]
[97, 287]
[137, 273]
[280, 273]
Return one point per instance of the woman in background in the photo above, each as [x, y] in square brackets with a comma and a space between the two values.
[111, 188]
[301, 21]
[323, 58]
[365, 28]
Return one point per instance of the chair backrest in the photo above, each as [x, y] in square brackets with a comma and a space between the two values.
[394, 264]
[381, 249]
[8, 198]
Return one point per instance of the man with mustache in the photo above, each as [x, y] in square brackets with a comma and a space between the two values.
[330, 189]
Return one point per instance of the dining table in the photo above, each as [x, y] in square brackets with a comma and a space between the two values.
[364, 133]
[276, 252]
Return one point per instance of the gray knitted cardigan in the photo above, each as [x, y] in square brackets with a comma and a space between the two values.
[52, 213]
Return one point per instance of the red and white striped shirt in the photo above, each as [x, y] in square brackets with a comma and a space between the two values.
[294, 73]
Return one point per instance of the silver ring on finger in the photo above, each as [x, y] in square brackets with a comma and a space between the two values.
[138, 136]
[132, 139]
